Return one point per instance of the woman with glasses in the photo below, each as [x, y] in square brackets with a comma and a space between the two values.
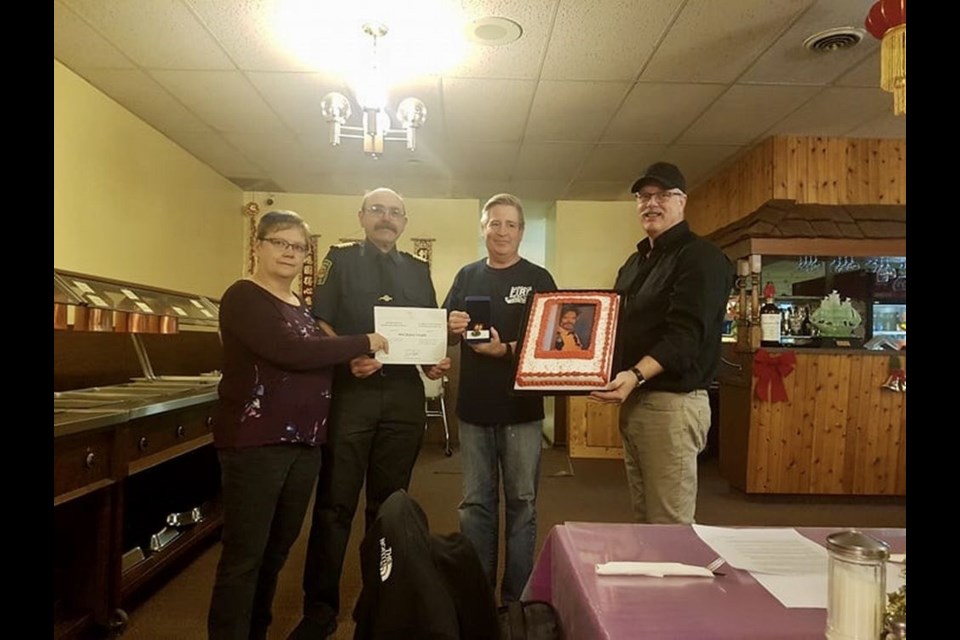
[271, 419]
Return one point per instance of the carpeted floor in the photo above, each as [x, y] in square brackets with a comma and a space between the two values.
[570, 490]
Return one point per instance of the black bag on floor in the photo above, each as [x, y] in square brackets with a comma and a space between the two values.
[531, 620]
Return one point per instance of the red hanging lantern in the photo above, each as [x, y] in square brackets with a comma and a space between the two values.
[887, 22]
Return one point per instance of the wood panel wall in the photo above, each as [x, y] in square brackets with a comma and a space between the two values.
[839, 433]
[594, 428]
[808, 170]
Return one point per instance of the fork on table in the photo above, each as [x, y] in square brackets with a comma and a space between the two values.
[716, 564]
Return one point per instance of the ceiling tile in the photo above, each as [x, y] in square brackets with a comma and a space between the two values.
[885, 125]
[597, 190]
[865, 74]
[81, 47]
[716, 41]
[618, 162]
[519, 60]
[789, 62]
[276, 151]
[714, 77]
[471, 113]
[219, 154]
[835, 111]
[296, 97]
[537, 189]
[573, 111]
[549, 160]
[482, 160]
[658, 111]
[699, 162]
[476, 188]
[159, 34]
[245, 30]
[141, 94]
[745, 112]
[605, 39]
[225, 100]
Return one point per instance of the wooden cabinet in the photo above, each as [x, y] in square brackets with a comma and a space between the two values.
[840, 432]
[154, 439]
[82, 463]
[593, 428]
[113, 489]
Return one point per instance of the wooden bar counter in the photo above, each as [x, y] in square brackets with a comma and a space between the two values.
[839, 432]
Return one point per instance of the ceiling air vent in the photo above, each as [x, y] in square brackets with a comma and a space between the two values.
[834, 39]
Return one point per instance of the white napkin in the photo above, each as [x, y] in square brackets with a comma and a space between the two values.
[655, 569]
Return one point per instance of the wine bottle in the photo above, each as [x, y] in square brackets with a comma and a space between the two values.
[807, 327]
[785, 318]
[770, 319]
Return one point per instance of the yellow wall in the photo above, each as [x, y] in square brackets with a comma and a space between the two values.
[130, 204]
[454, 225]
[590, 242]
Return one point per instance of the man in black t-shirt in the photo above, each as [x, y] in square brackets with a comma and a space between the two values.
[498, 430]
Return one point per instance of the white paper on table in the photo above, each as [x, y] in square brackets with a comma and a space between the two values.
[654, 569]
[416, 335]
[766, 550]
[798, 579]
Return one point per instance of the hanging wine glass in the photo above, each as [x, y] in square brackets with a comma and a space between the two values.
[885, 272]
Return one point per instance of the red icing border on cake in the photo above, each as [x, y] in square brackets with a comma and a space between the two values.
[529, 379]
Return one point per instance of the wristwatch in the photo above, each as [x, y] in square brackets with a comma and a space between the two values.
[640, 378]
[509, 350]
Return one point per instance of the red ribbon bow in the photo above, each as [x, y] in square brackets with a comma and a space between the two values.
[770, 370]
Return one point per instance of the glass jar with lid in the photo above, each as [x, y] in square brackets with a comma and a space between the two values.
[856, 586]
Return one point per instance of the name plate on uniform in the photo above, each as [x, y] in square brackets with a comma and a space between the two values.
[416, 335]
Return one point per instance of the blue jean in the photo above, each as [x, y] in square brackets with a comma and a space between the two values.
[512, 450]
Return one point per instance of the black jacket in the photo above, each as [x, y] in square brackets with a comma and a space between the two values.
[420, 586]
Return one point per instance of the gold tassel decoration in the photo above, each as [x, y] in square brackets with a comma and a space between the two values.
[893, 66]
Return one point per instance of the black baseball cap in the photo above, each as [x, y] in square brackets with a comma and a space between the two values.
[665, 174]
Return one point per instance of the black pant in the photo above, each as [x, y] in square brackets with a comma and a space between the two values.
[266, 491]
[375, 433]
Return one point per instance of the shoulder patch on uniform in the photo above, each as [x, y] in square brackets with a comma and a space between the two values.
[346, 245]
[324, 271]
[416, 257]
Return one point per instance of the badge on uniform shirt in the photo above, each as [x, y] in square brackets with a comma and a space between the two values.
[324, 271]
[385, 298]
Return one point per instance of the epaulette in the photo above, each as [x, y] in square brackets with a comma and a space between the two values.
[416, 257]
[346, 245]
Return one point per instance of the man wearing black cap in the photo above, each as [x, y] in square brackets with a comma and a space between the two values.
[674, 289]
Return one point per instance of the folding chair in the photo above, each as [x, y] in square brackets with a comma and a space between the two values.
[435, 406]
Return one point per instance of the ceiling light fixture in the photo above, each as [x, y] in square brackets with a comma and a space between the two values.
[493, 31]
[371, 94]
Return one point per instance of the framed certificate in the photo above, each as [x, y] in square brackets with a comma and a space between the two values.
[567, 342]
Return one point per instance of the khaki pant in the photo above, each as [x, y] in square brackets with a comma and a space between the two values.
[663, 432]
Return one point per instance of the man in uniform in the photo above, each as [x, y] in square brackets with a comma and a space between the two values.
[377, 413]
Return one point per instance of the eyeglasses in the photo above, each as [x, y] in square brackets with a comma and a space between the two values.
[661, 196]
[380, 211]
[283, 245]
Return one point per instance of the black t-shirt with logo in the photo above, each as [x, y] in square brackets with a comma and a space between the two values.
[486, 383]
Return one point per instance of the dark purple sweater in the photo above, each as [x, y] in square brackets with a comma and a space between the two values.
[277, 370]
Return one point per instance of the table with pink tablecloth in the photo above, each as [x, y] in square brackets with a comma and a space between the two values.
[733, 606]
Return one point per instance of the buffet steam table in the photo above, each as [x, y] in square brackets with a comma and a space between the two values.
[733, 606]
